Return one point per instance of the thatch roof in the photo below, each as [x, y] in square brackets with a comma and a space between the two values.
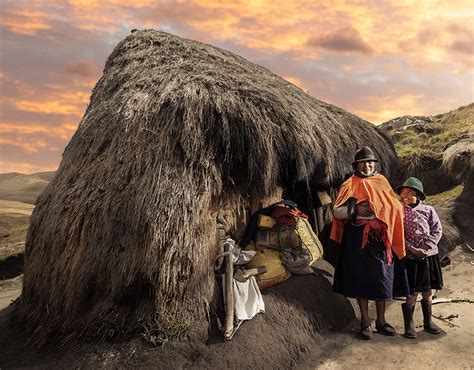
[457, 157]
[175, 131]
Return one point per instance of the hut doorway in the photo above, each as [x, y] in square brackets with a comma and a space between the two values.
[313, 201]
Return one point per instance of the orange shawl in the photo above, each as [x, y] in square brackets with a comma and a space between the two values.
[383, 202]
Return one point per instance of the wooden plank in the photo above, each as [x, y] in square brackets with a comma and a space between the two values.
[229, 293]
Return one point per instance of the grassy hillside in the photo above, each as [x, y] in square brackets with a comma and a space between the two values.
[23, 188]
[436, 149]
[432, 135]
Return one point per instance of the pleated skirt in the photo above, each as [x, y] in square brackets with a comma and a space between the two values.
[365, 273]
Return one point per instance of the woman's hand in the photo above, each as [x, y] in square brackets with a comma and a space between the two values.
[363, 209]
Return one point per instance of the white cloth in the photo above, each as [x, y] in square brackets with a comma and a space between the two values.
[341, 213]
[248, 300]
[239, 256]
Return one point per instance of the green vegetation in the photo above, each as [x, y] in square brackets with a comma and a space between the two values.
[445, 196]
[447, 128]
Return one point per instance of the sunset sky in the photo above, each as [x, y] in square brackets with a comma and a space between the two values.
[377, 59]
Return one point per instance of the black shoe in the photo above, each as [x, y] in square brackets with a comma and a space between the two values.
[410, 331]
[366, 332]
[385, 329]
[428, 324]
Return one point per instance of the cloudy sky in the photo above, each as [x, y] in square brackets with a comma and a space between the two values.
[378, 59]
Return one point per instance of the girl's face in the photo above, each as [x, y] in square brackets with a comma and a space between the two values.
[366, 167]
[408, 196]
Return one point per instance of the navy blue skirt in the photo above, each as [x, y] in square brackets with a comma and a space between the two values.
[364, 273]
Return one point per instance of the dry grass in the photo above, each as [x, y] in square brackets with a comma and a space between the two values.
[440, 160]
[14, 222]
[165, 326]
[450, 127]
[10, 284]
[23, 188]
[445, 196]
[175, 132]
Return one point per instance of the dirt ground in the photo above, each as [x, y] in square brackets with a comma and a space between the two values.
[332, 350]
[452, 349]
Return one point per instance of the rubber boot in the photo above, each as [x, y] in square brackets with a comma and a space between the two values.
[408, 311]
[428, 324]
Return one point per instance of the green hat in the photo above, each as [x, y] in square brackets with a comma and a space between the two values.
[415, 184]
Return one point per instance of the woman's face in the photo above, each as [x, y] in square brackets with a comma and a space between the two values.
[408, 196]
[366, 167]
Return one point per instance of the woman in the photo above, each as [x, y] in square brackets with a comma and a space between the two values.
[369, 226]
[422, 233]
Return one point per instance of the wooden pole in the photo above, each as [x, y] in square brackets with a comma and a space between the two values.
[229, 293]
[320, 216]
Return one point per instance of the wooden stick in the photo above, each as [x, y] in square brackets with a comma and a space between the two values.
[320, 216]
[229, 293]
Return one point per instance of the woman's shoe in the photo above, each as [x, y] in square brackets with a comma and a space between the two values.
[366, 332]
[385, 329]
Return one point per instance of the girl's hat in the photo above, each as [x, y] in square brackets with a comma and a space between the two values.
[415, 184]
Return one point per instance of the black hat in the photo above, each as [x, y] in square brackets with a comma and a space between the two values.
[364, 154]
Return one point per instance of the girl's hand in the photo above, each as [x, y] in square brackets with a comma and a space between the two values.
[418, 252]
[425, 247]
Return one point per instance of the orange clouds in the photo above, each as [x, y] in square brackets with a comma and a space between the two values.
[84, 69]
[25, 167]
[13, 133]
[378, 59]
[387, 107]
[340, 26]
[346, 40]
[25, 22]
[296, 81]
[55, 106]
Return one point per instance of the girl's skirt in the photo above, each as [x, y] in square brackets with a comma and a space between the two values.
[424, 274]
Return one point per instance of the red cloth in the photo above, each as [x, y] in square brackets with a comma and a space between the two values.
[286, 216]
[385, 206]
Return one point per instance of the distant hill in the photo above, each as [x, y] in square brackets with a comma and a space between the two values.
[24, 188]
[430, 135]
[437, 149]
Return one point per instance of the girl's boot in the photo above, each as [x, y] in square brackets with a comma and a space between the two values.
[408, 311]
[428, 324]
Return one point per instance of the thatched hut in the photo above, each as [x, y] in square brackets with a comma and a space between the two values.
[176, 131]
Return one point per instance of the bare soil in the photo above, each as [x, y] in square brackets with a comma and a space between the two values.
[452, 349]
[298, 314]
[272, 341]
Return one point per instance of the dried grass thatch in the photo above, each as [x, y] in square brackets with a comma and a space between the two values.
[457, 157]
[175, 131]
[429, 170]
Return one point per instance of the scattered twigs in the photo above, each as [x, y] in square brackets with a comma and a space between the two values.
[452, 316]
[462, 300]
[14, 244]
[448, 319]
[452, 300]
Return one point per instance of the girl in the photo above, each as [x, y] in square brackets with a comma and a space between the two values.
[422, 234]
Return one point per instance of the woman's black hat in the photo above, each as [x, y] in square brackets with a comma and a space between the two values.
[364, 154]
